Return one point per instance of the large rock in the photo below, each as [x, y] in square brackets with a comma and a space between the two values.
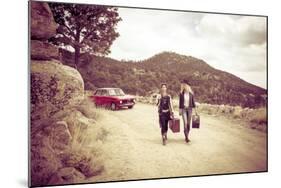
[60, 137]
[44, 161]
[83, 163]
[77, 123]
[43, 51]
[42, 23]
[67, 175]
[54, 87]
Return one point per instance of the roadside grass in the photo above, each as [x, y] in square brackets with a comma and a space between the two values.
[259, 116]
[86, 149]
[255, 118]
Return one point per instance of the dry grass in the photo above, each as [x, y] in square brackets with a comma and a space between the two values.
[259, 116]
[88, 136]
[86, 151]
[88, 109]
[256, 118]
[84, 159]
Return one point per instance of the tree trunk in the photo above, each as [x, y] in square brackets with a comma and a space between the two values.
[77, 49]
[77, 56]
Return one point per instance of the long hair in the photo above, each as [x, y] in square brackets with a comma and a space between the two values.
[185, 87]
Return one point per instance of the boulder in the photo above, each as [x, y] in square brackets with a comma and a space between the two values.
[54, 87]
[44, 161]
[60, 137]
[43, 50]
[67, 175]
[77, 123]
[42, 24]
[83, 163]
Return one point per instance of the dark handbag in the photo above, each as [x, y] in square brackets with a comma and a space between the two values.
[196, 121]
[174, 125]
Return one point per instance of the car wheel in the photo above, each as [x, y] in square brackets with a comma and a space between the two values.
[113, 106]
[130, 107]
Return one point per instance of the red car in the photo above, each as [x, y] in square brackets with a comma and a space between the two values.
[113, 98]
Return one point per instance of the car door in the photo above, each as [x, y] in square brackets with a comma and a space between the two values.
[104, 97]
[97, 97]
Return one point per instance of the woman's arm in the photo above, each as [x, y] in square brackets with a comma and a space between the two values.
[180, 109]
[193, 101]
[158, 100]
[171, 104]
[194, 104]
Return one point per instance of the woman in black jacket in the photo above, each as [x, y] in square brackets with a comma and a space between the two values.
[165, 110]
[186, 103]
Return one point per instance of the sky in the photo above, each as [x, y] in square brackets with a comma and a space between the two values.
[232, 43]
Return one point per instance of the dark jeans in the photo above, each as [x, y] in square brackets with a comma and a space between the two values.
[163, 120]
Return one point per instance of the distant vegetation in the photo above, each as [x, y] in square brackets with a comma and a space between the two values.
[144, 78]
[254, 118]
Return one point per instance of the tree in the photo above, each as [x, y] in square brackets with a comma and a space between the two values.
[85, 28]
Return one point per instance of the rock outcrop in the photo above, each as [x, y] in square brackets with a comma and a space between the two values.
[41, 50]
[55, 88]
[44, 160]
[42, 21]
[67, 175]
[60, 137]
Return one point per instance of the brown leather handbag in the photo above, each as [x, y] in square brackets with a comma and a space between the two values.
[174, 125]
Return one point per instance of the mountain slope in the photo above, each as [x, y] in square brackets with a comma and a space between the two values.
[144, 77]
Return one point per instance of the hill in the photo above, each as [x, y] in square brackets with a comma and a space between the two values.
[144, 78]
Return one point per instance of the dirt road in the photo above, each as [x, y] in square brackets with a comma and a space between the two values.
[133, 148]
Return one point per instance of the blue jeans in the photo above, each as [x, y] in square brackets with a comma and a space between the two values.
[186, 116]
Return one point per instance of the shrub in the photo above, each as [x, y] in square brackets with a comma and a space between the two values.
[85, 153]
[88, 109]
[259, 116]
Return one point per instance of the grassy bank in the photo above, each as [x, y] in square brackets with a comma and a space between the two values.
[255, 118]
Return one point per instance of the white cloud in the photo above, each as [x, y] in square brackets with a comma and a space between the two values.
[236, 44]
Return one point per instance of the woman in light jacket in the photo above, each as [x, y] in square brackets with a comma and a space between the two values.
[186, 104]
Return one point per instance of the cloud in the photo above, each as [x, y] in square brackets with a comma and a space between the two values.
[233, 30]
[236, 44]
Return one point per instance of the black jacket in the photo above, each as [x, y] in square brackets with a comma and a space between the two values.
[191, 100]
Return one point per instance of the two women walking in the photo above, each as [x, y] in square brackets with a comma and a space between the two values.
[166, 111]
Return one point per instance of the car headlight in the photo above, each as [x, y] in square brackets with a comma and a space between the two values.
[120, 102]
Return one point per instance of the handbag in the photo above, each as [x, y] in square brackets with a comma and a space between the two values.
[174, 125]
[196, 121]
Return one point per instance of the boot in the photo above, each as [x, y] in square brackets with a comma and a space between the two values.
[163, 140]
[166, 136]
[186, 137]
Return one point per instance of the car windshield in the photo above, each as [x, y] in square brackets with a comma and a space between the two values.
[116, 92]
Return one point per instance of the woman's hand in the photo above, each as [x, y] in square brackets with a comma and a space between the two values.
[180, 112]
[195, 109]
[172, 115]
